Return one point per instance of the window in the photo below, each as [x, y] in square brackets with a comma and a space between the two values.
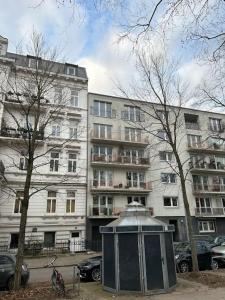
[191, 121]
[70, 202]
[102, 109]
[216, 143]
[162, 135]
[102, 153]
[74, 98]
[161, 114]
[33, 63]
[70, 70]
[206, 226]
[170, 201]
[58, 95]
[54, 162]
[200, 183]
[132, 134]
[194, 140]
[102, 178]
[72, 162]
[18, 200]
[168, 178]
[135, 179]
[73, 129]
[51, 202]
[14, 238]
[132, 113]
[103, 131]
[56, 130]
[102, 205]
[215, 124]
[49, 239]
[165, 156]
[23, 163]
[203, 206]
[139, 199]
[134, 156]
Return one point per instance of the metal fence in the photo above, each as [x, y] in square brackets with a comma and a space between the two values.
[40, 248]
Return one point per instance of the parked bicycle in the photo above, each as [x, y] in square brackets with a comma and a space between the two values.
[56, 278]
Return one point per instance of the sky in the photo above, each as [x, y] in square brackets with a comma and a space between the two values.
[87, 37]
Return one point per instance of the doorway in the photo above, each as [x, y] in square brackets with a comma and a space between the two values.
[49, 239]
[14, 238]
[176, 232]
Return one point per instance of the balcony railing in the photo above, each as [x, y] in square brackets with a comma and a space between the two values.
[107, 114]
[22, 133]
[119, 159]
[113, 186]
[207, 146]
[209, 211]
[205, 165]
[105, 211]
[209, 188]
[121, 137]
[191, 125]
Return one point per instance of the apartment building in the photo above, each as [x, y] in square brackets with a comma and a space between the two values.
[126, 163]
[57, 211]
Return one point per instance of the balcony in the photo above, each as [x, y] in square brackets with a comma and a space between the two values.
[119, 187]
[109, 212]
[205, 188]
[209, 211]
[212, 167]
[207, 148]
[120, 138]
[105, 212]
[12, 133]
[107, 114]
[120, 161]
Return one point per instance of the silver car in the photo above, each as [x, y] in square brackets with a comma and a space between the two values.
[218, 254]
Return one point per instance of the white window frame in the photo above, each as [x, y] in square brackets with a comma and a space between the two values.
[107, 208]
[167, 155]
[33, 63]
[69, 68]
[137, 179]
[207, 223]
[171, 202]
[138, 199]
[133, 113]
[58, 95]
[51, 199]
[55, 161]
[72, 162]
[56, 130]
[74, 98]
[107, 129]
[71, 200]
[73, 132]
[215, 124]
[133, 134]
[17, 202]
[103, 151]
[103, 177]
[100, 109]
[194, 140]
[168, 176]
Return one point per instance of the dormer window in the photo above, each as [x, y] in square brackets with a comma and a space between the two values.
[70, 70]
[34, 62]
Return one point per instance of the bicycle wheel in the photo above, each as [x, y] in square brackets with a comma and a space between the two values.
[58, 284]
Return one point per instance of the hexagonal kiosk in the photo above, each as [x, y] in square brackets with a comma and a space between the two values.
[138, 253]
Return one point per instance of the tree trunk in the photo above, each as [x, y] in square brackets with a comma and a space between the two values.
[23, 222]
[188, 218]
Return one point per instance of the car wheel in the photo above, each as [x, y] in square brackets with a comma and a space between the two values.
[10, 284]
[184, 267]
[96, 274]
[214, 264]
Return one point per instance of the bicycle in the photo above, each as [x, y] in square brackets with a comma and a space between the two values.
[56, 279]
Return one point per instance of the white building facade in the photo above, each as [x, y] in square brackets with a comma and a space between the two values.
[57, 212]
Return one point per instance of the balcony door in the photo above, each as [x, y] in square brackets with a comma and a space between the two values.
[102, 153]
[102, 205]
[102, 178]
[203, 206]
[102, 131]
[200, 183]
[135, 179]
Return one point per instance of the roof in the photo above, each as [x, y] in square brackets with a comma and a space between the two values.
[136, 215]
[22, 60]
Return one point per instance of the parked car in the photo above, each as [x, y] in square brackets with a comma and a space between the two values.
[184, 261]
[218, 254]
[7, 271]
[213, 241]
[90, 269]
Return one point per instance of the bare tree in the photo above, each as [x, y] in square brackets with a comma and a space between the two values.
[28, 86]
[164, 98]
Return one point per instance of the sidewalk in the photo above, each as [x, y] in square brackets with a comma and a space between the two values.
[61, 261]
